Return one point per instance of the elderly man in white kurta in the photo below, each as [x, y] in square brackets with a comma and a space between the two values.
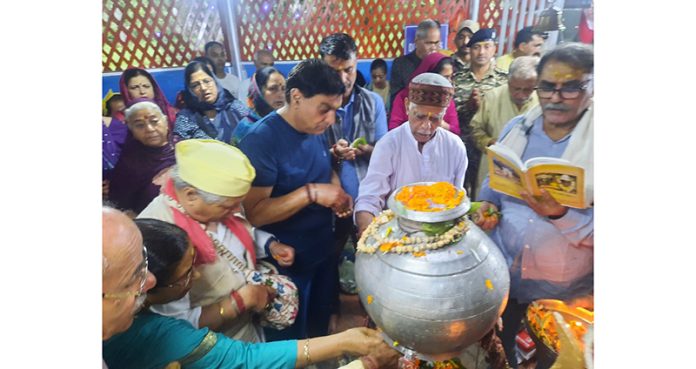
[419, 151]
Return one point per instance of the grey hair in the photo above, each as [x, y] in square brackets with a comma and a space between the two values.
[207, 197]
[575, 54]
[524, 68]
[143, 105]
[424, 27]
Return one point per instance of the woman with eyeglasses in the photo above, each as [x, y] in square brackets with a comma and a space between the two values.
[179, 102]
[203, 196]
[155, 341]
[433, 63]
[266, 94]
[211, 111]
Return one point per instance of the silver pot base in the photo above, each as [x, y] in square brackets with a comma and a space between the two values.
[409, 353]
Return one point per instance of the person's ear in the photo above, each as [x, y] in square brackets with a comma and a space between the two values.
[190, 194]
[295, 96]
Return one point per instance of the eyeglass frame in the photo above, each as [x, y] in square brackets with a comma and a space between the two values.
[198, 84]
[579, 89]
[139, 292]
[188, 275]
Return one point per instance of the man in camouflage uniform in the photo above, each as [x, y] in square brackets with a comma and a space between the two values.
[470, 84]
[461, 55]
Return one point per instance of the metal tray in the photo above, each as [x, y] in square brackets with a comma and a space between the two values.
[427, 216]
[545, 354]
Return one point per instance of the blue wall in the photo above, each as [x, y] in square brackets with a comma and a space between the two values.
[171, 80]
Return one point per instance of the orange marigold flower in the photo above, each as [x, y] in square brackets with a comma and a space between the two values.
[430, 198]
[385, 247]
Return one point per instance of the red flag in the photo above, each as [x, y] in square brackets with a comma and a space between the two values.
[586, 27]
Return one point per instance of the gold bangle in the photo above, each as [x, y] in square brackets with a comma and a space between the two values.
[222, 311]
[306, 353]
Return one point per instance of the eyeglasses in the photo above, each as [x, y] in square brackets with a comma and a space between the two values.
[184, 281]
[195, 86]
[546, 91]
[139, 292]
[523, 90]
[421, 118]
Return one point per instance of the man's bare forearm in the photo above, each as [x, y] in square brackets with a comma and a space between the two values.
[276, 209]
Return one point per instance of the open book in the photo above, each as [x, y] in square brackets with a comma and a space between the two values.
[562, 180]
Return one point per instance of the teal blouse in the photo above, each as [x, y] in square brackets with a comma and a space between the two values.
[154, 341]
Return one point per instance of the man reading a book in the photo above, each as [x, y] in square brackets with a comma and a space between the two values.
[415, 152]
[548, 246]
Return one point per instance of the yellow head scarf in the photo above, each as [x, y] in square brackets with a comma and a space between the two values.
[109, 94]
[214, 167]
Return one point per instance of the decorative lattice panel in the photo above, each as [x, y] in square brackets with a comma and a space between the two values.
[520, 13]
[490, 12]
[156, 33]
[293, 29]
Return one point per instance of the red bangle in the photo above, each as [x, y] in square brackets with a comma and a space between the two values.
[238, 300]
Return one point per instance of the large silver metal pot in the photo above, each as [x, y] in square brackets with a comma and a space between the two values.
[436, 305]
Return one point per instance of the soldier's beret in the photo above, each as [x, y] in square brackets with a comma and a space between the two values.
[484, 34]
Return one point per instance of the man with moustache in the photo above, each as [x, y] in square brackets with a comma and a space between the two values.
[361, 115]
[502, 104]
[415, 152]
[470, 85]
[462, 56]
[125, 278]
[549, 247]
[295, 191]
[528, 42]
